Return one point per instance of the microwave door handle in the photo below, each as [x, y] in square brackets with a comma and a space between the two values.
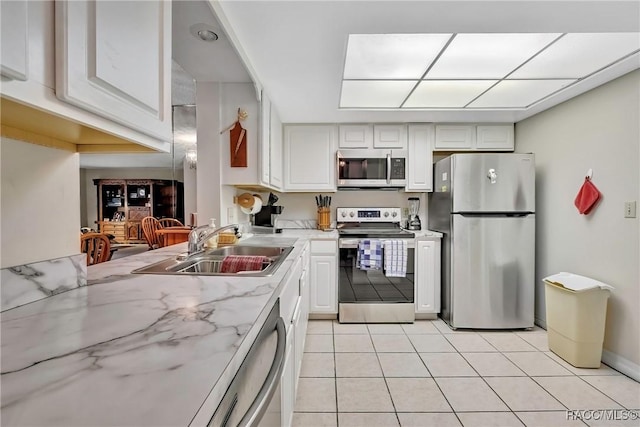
[389, 168]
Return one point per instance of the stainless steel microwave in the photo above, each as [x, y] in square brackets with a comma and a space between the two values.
[371, 168]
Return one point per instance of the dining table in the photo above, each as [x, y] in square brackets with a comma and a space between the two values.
[173, 235]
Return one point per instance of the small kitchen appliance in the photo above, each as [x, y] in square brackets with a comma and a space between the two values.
[414, 219]
[371, 168]
[268, 214]
[371, 296]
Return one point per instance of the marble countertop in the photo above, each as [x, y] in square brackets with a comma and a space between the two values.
[133, 349]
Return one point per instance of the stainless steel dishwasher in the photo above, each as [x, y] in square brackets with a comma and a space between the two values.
[253, 397]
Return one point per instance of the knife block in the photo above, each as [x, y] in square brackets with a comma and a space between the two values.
[324, 218]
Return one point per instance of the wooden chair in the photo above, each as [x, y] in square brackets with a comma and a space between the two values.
[96, 246]
[149, 227]
[170, 222]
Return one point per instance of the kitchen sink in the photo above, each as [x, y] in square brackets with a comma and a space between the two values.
[209, 263]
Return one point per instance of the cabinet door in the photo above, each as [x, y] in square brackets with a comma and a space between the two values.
[323, 284]
[275, 131]
[287, 384]
[14, 38]
[309, 156]
[390, 136]
[114, 59]
[265, 144]
[455, 137]
[496, 137]
[356, 136]
[427, 276]
[420, 158]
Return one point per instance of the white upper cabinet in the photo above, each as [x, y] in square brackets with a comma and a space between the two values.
[390, 136]
[474, 137]
[114, 59]
[455, 137]
[275, 145]
[373, 136]
[310, 157]
[420, 158]
[264, 141]
[356, 136]
[14, 38]
[495, 137]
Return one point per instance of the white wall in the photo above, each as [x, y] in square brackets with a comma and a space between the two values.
[40, 203]
[208, 172]
[303, 205]
[89, 194]
[600, 130]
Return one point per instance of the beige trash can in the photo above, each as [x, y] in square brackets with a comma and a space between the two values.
[576, 313]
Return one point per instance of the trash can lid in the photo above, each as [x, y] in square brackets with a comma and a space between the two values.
[575, 282]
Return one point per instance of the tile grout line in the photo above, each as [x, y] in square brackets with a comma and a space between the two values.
[502, 353]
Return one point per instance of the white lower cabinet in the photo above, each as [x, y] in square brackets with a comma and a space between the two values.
[427, 276]
[288, 381]
[323, 277]
[294, 308]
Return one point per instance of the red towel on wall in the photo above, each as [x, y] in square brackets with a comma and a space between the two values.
[235, 263]
[587, 197]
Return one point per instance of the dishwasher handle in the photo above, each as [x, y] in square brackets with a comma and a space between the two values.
[261, 403]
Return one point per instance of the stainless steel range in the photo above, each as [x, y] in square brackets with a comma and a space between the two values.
[373, 295]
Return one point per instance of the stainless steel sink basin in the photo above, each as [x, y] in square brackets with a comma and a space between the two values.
[209, 263]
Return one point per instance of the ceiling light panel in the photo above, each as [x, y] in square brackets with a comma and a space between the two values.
[578, 55]
[487, 56]
[446, 93]
[391, 56]
[374, 94]
[518, 93]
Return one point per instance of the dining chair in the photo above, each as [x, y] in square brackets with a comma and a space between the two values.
[170, 222]
[96, 246]
[149, 227]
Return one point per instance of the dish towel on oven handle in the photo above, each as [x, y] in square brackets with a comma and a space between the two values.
[395, 258]
[369, 255]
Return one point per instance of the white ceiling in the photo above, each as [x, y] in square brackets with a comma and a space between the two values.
[297, 48]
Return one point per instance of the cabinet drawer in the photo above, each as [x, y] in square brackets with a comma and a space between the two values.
[324, 246]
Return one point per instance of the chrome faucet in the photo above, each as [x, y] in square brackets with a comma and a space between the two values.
[199, 235]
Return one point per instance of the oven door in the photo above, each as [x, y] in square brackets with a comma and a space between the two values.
[371, 296]
[371, 168]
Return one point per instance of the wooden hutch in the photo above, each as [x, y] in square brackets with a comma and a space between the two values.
[122, 203]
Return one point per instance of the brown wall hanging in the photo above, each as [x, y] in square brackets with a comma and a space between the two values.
[238, 142]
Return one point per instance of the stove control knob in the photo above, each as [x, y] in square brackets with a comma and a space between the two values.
[352, 214]
[394, 214]
[386, 214]
[344, 214]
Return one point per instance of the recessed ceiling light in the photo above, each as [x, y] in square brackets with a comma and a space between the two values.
[203, 32]
[446, 93]
[207, 35]
[473, 70]
[518, 93]
[391, 56]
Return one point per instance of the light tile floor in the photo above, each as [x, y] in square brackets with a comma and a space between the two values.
[426, 374]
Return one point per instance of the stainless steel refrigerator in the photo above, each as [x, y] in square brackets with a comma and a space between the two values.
[484, 204]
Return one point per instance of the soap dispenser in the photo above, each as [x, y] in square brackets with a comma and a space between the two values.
[212, 243]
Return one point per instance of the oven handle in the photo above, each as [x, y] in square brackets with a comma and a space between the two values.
[353, 243]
